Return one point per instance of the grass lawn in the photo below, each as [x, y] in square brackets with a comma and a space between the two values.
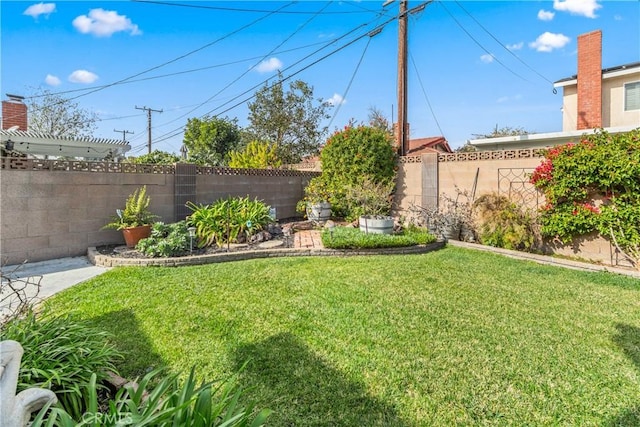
[453, 337]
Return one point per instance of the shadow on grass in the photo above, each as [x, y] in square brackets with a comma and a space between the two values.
[628, 339]
[139, 355]
[282, 374]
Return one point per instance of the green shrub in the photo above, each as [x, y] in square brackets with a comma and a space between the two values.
[352, 155]
[256, 155]
[166, 240]
[228, 220]
[503, 224]
[353, 238]
[61, 354]
[593, 186]
[160, 401]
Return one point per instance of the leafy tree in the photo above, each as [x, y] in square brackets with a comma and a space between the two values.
[52, 114]
[290, 119]
[466, 148]
[503, 131]
[210, 139]
[378, 120]
[256, 155]
[156, 157]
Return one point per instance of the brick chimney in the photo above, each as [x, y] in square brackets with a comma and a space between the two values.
[590, 80]
[14, 113]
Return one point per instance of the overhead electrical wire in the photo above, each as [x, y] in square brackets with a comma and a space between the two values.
[480, 45]
[193, 70]
[505, 47]
[238, 9]
[424, 92]
[262, 58]
[367, 34]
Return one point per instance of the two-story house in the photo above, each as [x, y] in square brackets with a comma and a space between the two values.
[592, 99]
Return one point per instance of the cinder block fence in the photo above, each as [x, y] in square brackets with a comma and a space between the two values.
[56, 208]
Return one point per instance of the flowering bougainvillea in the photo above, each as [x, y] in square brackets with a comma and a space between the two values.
[593, 185]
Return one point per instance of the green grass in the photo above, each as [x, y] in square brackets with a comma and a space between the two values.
[353, 238]
[452, 337]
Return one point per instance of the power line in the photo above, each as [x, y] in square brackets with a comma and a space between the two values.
[237, 9]
[424, 92]
[355, 71]
[375, 30]
[505, 47]
[479, 44]
[271, 52]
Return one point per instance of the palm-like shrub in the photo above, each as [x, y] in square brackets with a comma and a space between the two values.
[135, 213]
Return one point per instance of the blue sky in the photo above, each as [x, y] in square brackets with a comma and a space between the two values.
[473, 64]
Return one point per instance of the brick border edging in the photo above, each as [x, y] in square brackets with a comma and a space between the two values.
[108, 261]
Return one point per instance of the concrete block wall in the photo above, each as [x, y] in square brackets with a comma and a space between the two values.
[281, 192]
[412, 188]
[47, 214]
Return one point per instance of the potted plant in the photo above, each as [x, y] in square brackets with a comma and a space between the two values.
[135, 219]
[316, 203]
[371, 201]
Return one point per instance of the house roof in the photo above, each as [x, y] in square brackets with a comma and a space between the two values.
[432, 144]
[34, 143]
[538, 140]
[620, 70]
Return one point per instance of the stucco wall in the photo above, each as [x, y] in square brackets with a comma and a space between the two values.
[613, 113]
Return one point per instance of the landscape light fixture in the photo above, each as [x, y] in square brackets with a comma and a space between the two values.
[8, 145]
[192, 234]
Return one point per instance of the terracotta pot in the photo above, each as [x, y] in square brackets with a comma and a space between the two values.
[134, 234]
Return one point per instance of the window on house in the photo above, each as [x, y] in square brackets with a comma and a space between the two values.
[632, 96]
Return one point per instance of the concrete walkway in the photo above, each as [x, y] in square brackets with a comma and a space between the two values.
[54, 275]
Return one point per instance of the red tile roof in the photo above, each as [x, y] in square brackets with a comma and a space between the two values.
[432, 144]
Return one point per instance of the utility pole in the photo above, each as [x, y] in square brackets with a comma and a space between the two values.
[148, 110]
[124, 132]
[402, 137]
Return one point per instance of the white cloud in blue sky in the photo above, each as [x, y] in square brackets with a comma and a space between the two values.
[547, 42]
[487, 58]
[545, 15]
[578, 7]
[515, 46]
[269, 65]
[103, 23]
[35, 10]
[83, 76]
[52, 80]
[336, 100]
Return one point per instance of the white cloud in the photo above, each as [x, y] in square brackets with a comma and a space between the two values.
[269, 65]
[83, 76]
[545, 15]
[36, 10]
[546, 42]
[578, 7]
[336, 100]
[487, 58]
[504, 99]
[515, 46]
[52, 80]
[103, 23]
[618, 17]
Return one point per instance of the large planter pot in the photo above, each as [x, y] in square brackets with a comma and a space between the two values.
[319, 212]
[376, 224]
[134, 234]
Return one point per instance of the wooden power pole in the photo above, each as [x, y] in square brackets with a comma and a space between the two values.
[148, 110]
[402, 128]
